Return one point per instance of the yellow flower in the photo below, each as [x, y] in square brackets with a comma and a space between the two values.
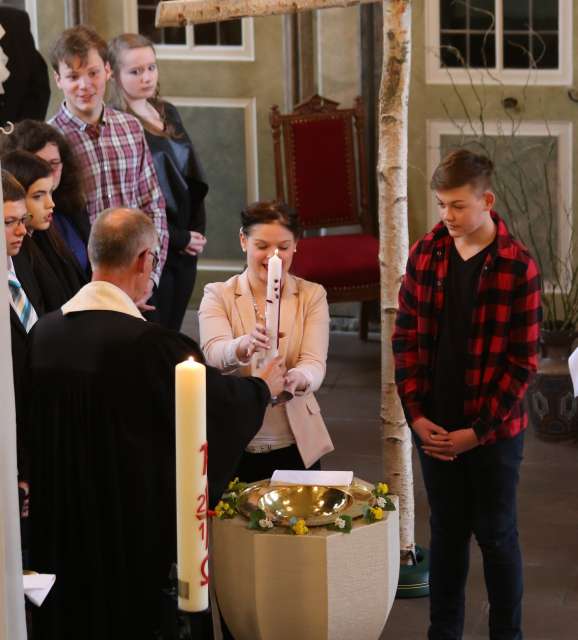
[382, 488]
[300, 528]
[233, 484]
[224, 510]
[377, 513]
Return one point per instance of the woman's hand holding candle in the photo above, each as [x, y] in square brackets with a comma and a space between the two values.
[257, 340]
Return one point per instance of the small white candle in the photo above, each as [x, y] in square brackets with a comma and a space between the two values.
[273, 304]
[192, 489]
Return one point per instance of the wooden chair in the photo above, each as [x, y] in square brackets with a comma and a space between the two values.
[324, 167]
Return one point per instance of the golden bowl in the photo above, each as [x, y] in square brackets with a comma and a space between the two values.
[316, 505]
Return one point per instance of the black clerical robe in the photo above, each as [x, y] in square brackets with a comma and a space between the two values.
[101, 419]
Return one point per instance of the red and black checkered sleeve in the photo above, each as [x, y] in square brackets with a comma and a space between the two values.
[521, 362]
[408, 371]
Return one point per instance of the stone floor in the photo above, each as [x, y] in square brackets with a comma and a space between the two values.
[548, 503]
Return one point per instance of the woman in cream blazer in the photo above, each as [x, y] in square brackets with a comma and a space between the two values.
[231, 318]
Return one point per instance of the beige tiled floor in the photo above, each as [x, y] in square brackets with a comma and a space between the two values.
[548, 503]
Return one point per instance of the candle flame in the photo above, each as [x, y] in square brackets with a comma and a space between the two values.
[191, 359]
[277, 252]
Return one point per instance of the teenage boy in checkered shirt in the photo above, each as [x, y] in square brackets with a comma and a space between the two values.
[465, 347]
[110, 146]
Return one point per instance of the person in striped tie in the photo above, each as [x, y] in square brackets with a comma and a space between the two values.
[24, 300]
[24, 296]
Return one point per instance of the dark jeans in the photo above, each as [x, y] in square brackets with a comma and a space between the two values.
[258, 466]
[476, 494]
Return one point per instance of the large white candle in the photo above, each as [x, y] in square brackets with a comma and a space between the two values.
[192, 490]
[273, 303]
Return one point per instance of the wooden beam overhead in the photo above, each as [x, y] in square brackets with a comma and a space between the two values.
[178, 13]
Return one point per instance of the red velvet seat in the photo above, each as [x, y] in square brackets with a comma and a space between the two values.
[335, 260]
[323, 168]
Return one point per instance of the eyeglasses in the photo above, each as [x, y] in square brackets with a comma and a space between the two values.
[14, 222]
[155, 257]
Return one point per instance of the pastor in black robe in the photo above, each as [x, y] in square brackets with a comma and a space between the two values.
[101, 420]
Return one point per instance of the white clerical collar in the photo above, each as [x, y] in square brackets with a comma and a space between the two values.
[101, 296]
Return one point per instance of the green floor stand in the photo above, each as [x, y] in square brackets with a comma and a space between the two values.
[414, 578]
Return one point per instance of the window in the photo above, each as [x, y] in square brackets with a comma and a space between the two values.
[499, 41]
[232, 39]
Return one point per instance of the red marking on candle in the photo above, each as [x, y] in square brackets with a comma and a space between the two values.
[204, 449]
[204, 536]
[202, 502]
[205, 571]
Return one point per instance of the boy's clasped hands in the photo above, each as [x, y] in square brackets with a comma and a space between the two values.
[441, 444]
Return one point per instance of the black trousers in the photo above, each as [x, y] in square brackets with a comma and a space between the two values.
[259, 466]
[175, 289]
[476, 493]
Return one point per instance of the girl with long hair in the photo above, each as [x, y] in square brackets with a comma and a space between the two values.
[135, 89]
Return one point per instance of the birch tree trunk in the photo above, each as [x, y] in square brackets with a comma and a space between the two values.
[393, 234]
[180, 12]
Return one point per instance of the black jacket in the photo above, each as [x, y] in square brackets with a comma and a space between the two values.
[27, 90]
[181, 179]
[19, 340]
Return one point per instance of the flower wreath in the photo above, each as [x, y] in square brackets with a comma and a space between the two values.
[373, 511]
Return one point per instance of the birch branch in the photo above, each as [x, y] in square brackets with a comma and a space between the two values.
[178, 13]
[393, 234]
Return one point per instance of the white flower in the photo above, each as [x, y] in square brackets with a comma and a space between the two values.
[340, 523]
[265, 523]
[381, 502]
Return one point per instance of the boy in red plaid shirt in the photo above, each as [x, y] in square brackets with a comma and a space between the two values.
[465, 347]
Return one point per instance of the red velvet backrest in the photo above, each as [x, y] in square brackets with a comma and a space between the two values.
[320, 168]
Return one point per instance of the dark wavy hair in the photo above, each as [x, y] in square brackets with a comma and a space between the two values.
[269, 211]
[26, 167]
[32, 135]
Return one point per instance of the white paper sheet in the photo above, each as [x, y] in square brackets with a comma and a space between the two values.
[313, 478]
[37, 586]
[573, 366]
